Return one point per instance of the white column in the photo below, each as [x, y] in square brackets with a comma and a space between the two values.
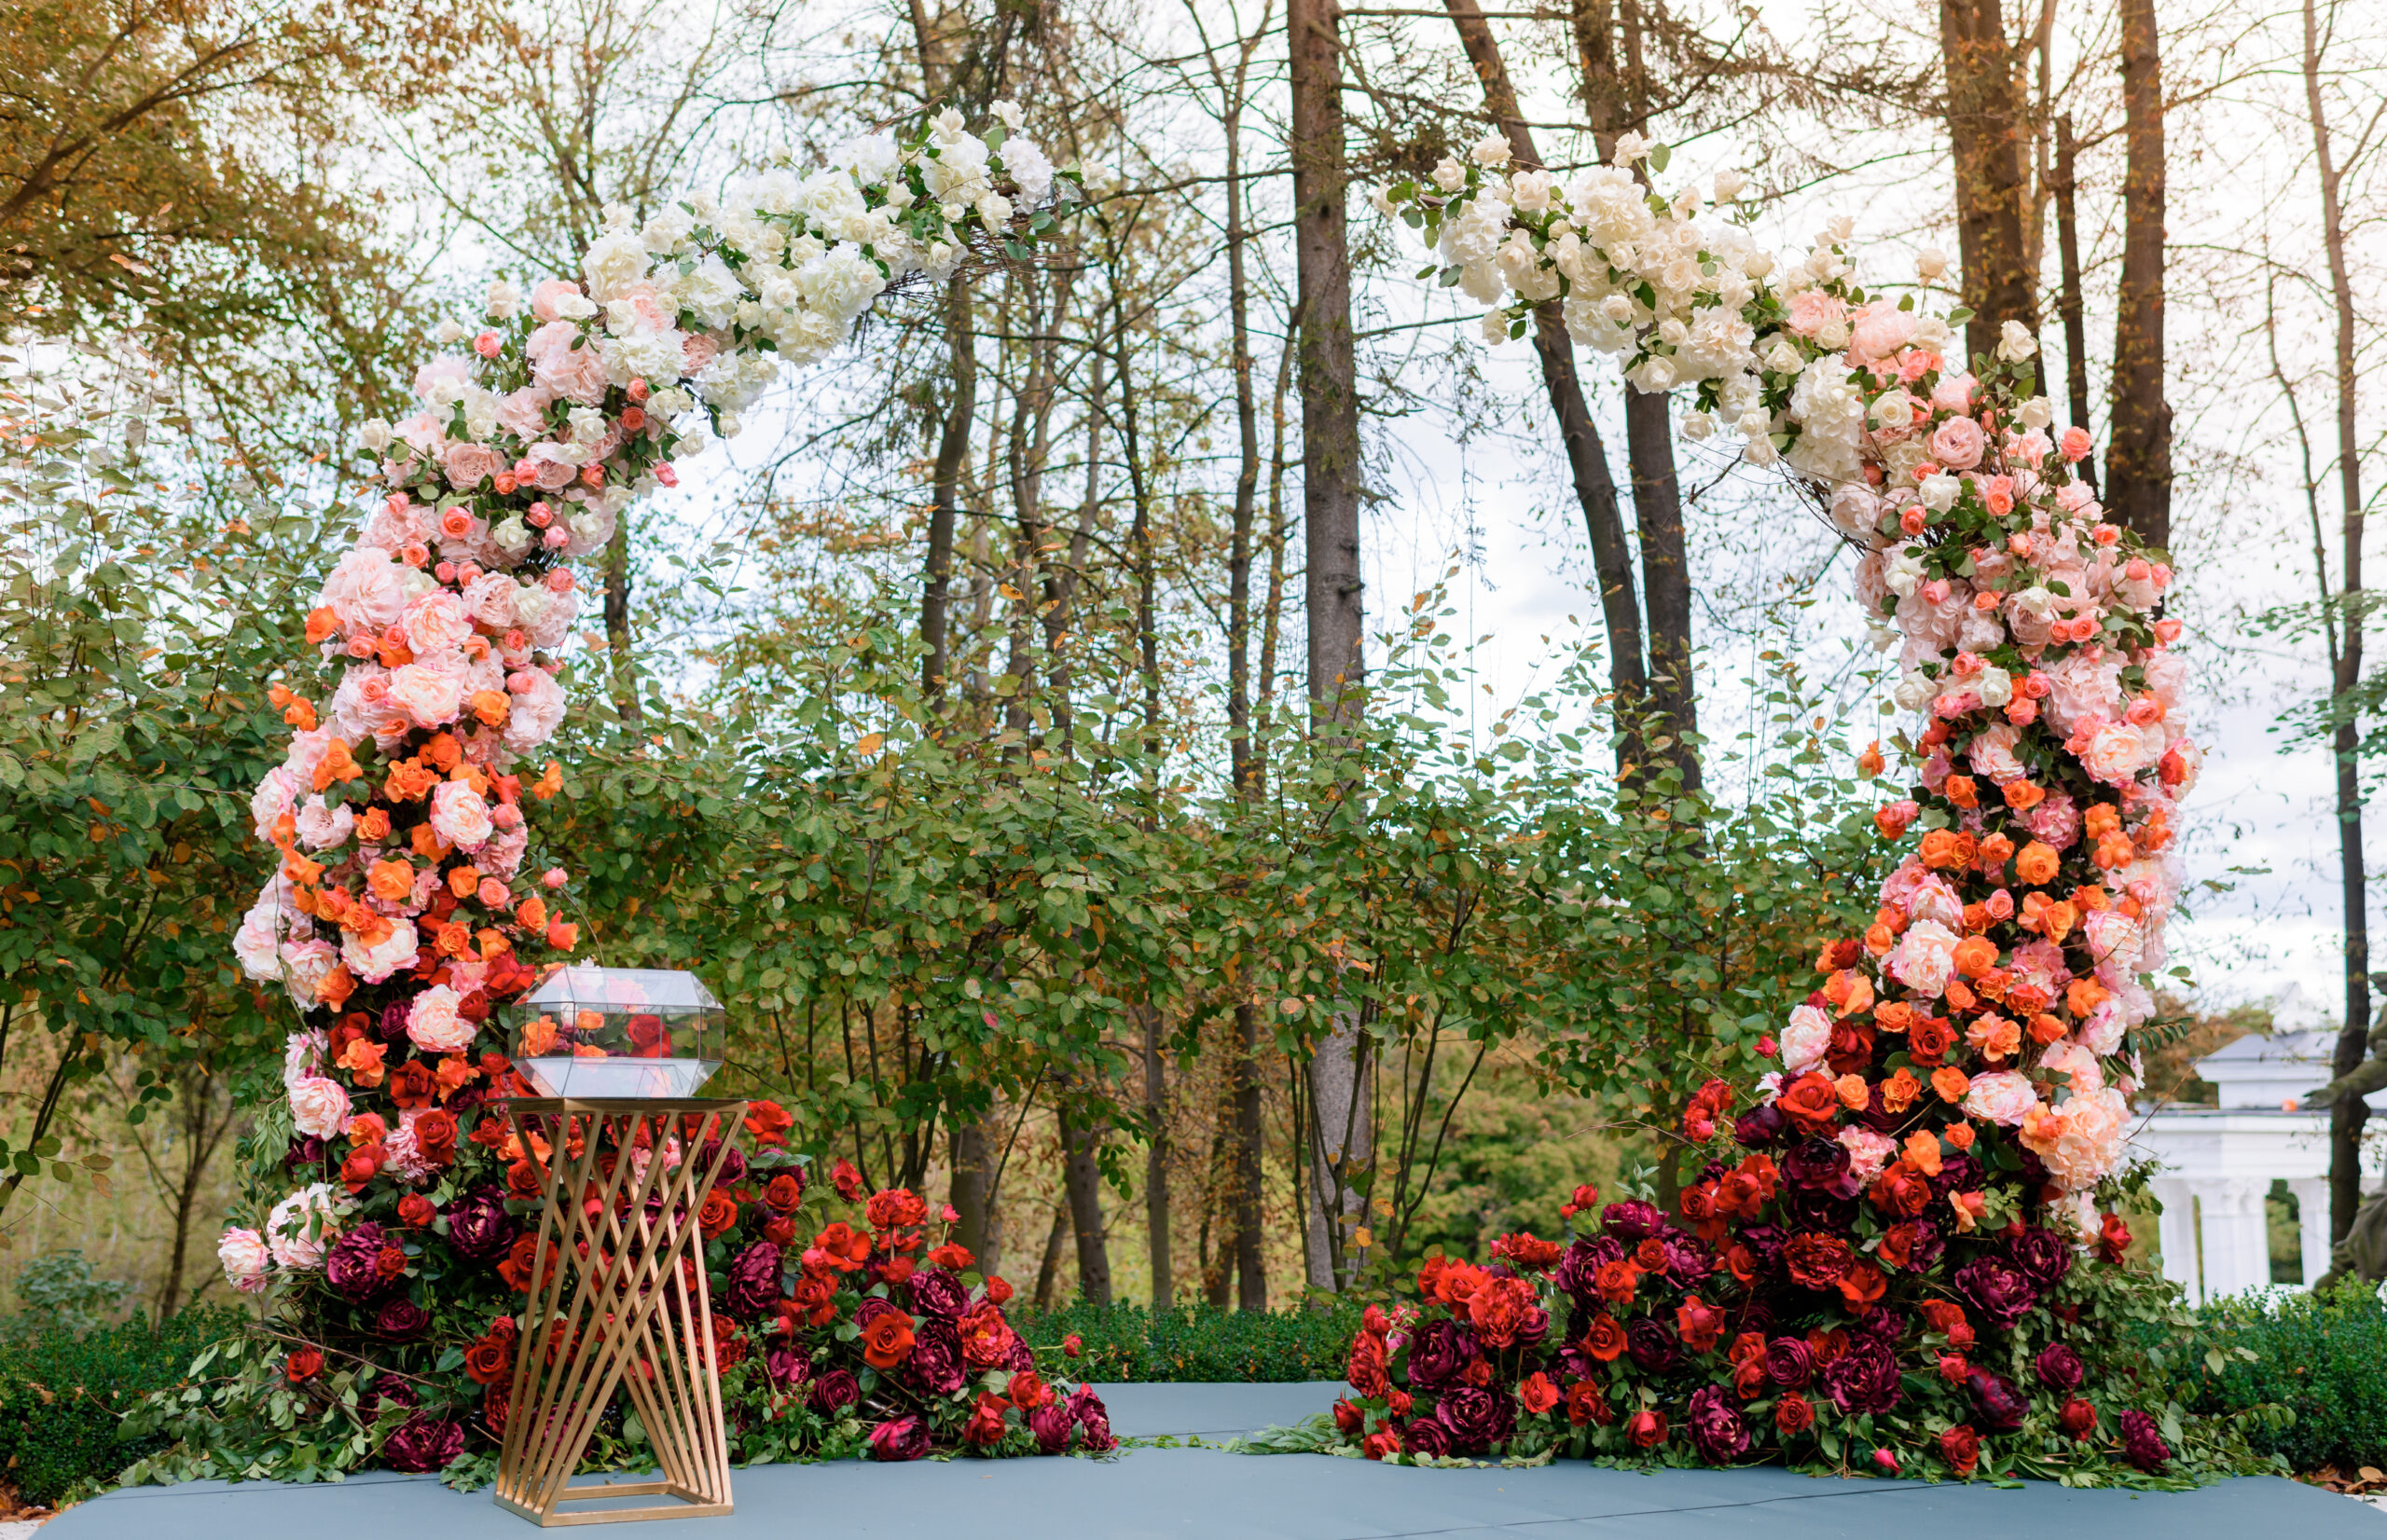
[2176, 1234]
[2236, 1248]
[2312, 1223]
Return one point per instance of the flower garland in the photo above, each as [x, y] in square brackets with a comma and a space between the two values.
[1901, 1247]
[402, 916]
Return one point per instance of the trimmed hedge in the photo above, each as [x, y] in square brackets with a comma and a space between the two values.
[2325, 1356]
[62, 1398]
[1127, 1343]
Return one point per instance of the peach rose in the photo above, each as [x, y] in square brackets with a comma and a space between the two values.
[373, 963]
[1925, 959]
[319, 1106]
[470, 464]
[430, 697]
[1957, 444]
[459, 815]
[433, 1026]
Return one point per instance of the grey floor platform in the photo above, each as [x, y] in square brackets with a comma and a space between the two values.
[1199, 1494]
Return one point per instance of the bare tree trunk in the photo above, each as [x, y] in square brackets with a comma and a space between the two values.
[2138, 459]
[1586, 455]
[1985, 126]
[1048, 1272]
[2076, 332]
[952, 454]
[972, 1171]
[1082, 1180]
[624, 669]
[1156, 1157]
[1250, 1272]
[1665, 574]
[2347, 1112]
[1329, 491]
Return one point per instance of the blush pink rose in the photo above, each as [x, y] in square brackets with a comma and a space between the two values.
[367, 590]
[547, 298]
[459, 815]
[695, 354]
[537, 708]
[430, 697]
[433, 1024]
[318, 1106]
[1924, 957]
[437, 623]
[1954, 393]
[400, 948]
[523, 413]
[1881, 329]
[446, 367]
[1957, 442]
[2116, 752]
[1992, 754]
[245, 1260]
[2001, 1096]
[470, 464]
[577, 374]
[1812, 310]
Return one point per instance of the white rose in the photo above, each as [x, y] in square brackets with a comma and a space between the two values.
[1938, 493]
[2015, 342]
[1930, 262]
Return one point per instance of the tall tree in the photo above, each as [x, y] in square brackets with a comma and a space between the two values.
[2138, 457]
[1339, 1137]
[2065, 186]
[1986, 121]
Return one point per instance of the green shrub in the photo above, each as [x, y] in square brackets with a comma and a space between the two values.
[56, 1292]
[2324, 1358]
[63, 1397]
[1124, 1343]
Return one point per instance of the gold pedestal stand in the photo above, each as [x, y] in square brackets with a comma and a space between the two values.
[617, 1302]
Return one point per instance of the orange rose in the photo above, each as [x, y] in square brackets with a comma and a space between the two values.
[1961, 790]
[1810, 1102]
[1951, 1082]
[2037, 863]
[718, 1214]
[887, 1341]
[1862, 1287]
[2022, 795]
[1976, 955]
[1929, 1038]
[1604, 1338]
[1617, 1281]
[391, 880]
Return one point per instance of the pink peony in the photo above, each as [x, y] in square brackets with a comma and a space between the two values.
[1812, 310]
[433, 1026]
[488, 598]
[2001, 1096]
[2115, 751]
[1957, 444]
[321, 828]
[697, 353]
[459, 815]
[2112, 935]
[430, 697]
[577, 374]
[1881, 329]
[548, 299]
[2082, 686]
[319, 1106]
[245, 1260]
[400, 948]
[470, 464]
[1924, 957]
[538, 705]
[1867, 1152]
[1954, 393]
[304, 965]
[2056, 820]
[367, 590]
[1992, 754]
[437, 623]
[523, 413]
[444, 367]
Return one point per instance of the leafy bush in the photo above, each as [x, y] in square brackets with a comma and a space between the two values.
[2323, 1356]
[57, 1293]
[1125, 1344]
[63, 1397]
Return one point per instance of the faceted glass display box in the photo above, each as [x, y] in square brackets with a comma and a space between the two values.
[611, 1033]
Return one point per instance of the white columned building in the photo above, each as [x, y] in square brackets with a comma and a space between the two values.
[2219, 1163]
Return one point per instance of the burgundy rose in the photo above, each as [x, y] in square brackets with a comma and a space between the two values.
[386, 1391]
[2142, 1445]
[1426, 1436]
[1093, 1420]
[1804, 1209]
[1995, 1401]
[2002, 1294]
[1764, 1243]
[935, 1364]
[1440, 1353]
[392, 1025]
[787, 1367]
[1581, 1264]
[938, 1293]
[1631, 1220]
[2059, 1368]
[754, 1285]
[1476, 1418]
[350, 1266]
[1926, 1246]
[1816, 1166]
[733, 1165]
[305, 1150]
[1051, 1426]
[901, 1438]
[479, 1225]
[833, 1391]
[1688, 1258]
[1717, 1430]
[1761, 1126]
[423, 1444]
[2041, 1255]
[872, 1309]
[1863, 1379]
[402, 1320]
[1789, 1363]
[1653, 1344]
[1957, 1174]
[1018, 1355]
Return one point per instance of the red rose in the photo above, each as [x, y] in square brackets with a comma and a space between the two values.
[1525, 1253]
[415, 1211]
[1954, 1368]
[2077, 1418]
[896, 1208]
[1348, 1418]
[411, 1085]
[1616, 1281]
[525, 1180]
[1749, 1378]
[718, 1215]
[489, 1360]
[516, 1268]
[840, 1247]
[1700, 1324]
[1586, 1197]
[769, 1122]
[1381, 1444]
[1587, 1403]
[1816, 1261]
[1960, 1446]
[1647, 1429]
[494, 1403]
[1604, 1339]
[847, 1180]
[1810, 1102]
[389, 1262]
[986, 1425]
[1946, 1317]
[358, 1169]
[1502, 1309]
[1028, 1391]
[1365, 1371]
[998, 1290]
[780, 1230]
[1399, 1401]
[1901, 1192]
[887, 1341]
[1792, 1415]
[784, 1192]
[1072, 1345]
[435, 1136]
[814, 1299]
[2112, 1240]
[1538, 1393]
[1861, 1286]
[987, 1337]
[1929, 1038]
[1851, 1049]
[302, 1366]
[729, 1343]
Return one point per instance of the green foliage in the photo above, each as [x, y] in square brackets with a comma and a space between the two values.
[64, 1397]
[1132, 1343]
[2323, 1355]
[57, 1293]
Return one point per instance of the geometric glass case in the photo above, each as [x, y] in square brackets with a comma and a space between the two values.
[618, 1033]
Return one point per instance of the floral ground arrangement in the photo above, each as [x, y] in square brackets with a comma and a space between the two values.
[394, 1210]
[1896, 1252]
